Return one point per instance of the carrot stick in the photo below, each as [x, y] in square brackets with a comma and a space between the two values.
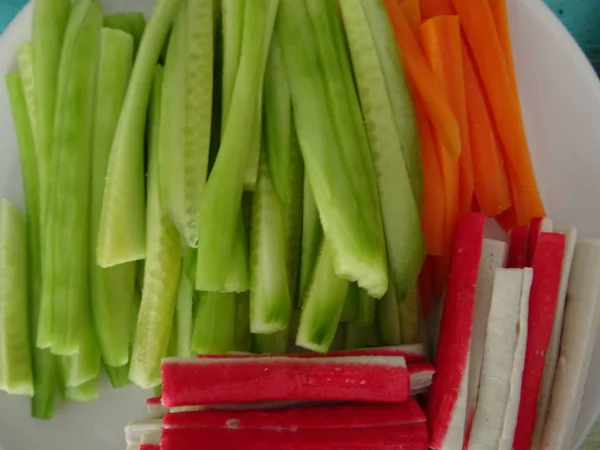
[478, 25]
[411, 9]
[500, 13]
[434, 98]
[492, 189]
[433, 8]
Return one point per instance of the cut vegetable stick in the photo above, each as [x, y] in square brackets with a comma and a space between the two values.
[493, 256]
[345, 416]
[518, 248]
[500, 14]
[184, 308]
[210, 381]
[232, 24]
[425, 287]
[507, 313]
[431, 90]
[411, 10]
[162, 269]
[388, 319]
[16, 375]
[118, 376]
[410, 319]
[351, 304]
[312, 236]
[555, 341]
[214, 327]
[26, 67]
[478, 25]
[492, 188]
[538, 226]
[243, 337]
[582, 315]
[433, 8]
[442, 43]
[547, 265]
[137, 25]
[410, 437]
[448, 396]
[85, 393]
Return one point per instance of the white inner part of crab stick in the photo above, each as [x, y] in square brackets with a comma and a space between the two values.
[138, 432]
[554, 346]
[504, 328]
[582, 315]
[494, 255]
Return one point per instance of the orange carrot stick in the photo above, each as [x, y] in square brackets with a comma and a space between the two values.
[500, 14]
[411, 9]
[491, 182]
[433, 95]
[478, 25]
[433, 8]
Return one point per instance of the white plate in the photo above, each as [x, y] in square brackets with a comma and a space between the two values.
[561, 101]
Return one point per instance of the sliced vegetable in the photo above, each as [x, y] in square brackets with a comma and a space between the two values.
[65, 281]
[547, 265]
[538, 226]
[163, 261]
[243, 338]
[87, 392]
[507, 313]
[214, 328]
[388, 315]
[232, 16]
[411, 10]
[118, 376]
[312, 236]
[448, 396]
[518, 248]
[221, 202]
[582, 314]
[433, 8]
[367, 308]
[26, 67]
[351, 304]
[500, 14]
[16, 375]
[184, 309]
[212, 380]
[326, 109]
[137, 25]
[122, 235]
[410, 318]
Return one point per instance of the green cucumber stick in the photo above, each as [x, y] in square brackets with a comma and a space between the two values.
[137, 25]
[214, 327]
[404, 115]
[65, 279]
[118, 21]
[16, 375]
[44, 364]
[351, 304]
[401, 218]
[221, 201]
[118, 376]
[84, 393]
[112, 289]
[184, 311]
[409, 315]
[273, 344]
[388, 319]
[186, 116]
[163, 265]
[50, 18]
[354, 336]
[122, 235]
[367, 308]
[232, 17]
[25, 59]
[312, 236]
[356, 252]
[243, 338]
[323, 305]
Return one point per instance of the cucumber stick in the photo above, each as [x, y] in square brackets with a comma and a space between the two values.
[184, 311]
[118, 21]
[122, 235]
[26, 61]
[118, 376]
[221, 202]
[312, 236]
[367, 308]
[84, 393]
[274, 344]
[355, 247]
[214, 327]
[322, 308]
[351, 304]
[405, 243]
[163, 265]
[243, 338]
[388, 319]
[186, 116]
[354, 336]
[16, 375]
[232, 16]
[409, 311]
[65, 281]
[112, 289]
[44, 363]
[137, 25]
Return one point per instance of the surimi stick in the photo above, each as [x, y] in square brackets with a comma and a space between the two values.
[557, 329]
[140, 430]
[155, 409]
[448, 396]
[517, 250]
[502, 359]
[538, 226]
[493, 256]
[357, 378]
[547, 267]
[581, 319]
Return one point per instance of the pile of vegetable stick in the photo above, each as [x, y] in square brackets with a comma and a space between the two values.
[512, 320]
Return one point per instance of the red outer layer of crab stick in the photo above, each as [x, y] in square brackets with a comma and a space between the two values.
[538, 226]
[149, 447]
[517, 250]
[547, 267]
[405, 437]
[349, 415]
[354, 378]
[448, 395]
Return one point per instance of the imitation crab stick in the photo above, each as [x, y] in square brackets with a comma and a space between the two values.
[433, 94]
[493, 256]
[557, 330]
[582, 315]
[478, 25]
[208, 381]
[517, 250]
[503, 357]
[538, 226]
[448, 395]
[547, 266]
